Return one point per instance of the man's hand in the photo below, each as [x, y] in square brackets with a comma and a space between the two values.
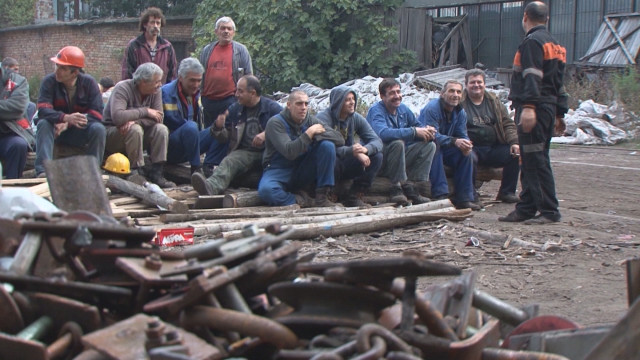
[76, 119]
[515, 150]
[464, 145]
[560, 126]
[155, 115]
[314, 129]
[364, 159]
[221, 119]
[258, 140]
[358, 149]
[124, 129]
[426, 133]
[59, 128]
[528, 119]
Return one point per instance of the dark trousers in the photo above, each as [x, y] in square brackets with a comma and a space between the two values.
[351, 168]
[538, 186]
[213, 108]
[13, 154]
[498, 155]
[462, 174]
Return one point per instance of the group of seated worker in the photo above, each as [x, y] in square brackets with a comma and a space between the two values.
[302, 156]
[299, 156]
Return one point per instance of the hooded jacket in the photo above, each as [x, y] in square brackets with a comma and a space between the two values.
[287, 139]
[505, 128]
[14, 99]
[137, 52]
[354, 124]
[433, 114]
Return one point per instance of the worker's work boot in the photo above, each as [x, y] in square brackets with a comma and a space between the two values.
[304, 200]
[396, 195]
[322, 197]
[156, 176]
[136, 176]
[354, 198]
[412, 194]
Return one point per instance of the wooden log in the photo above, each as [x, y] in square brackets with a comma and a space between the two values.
[242, 199]
[23, 182]
[209, 202]
[146, 195]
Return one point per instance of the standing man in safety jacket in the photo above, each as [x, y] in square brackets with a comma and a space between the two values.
[538, 97]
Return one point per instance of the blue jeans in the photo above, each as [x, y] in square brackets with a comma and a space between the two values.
[214, 151]
[184, 144]
[92, 138]
[462, 177]
[13, 153]
[498, 155]
[316, 165]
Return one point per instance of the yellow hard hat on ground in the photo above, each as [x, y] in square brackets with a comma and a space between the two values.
[117, 163]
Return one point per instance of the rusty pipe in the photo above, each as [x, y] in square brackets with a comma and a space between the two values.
[37, 329]
[505, 354]
[229, 320]
[498, 308]
[434, 320]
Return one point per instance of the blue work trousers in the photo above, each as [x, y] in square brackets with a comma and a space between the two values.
[13, 154]
[214, 151]
[279, 177]
[462, 177]
[213, 108]
[184, 144]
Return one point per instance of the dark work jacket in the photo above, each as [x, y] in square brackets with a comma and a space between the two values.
[14, 98]
[53, 102]
[233, 130]
[538, 71]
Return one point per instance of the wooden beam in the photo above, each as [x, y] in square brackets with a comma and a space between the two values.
[622, 45]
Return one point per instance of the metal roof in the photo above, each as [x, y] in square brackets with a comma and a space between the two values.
[434, 79]
[617, 41]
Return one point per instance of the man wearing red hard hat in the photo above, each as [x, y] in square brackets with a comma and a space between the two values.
[69, 109]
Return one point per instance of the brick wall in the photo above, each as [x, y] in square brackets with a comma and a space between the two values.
[103, 42]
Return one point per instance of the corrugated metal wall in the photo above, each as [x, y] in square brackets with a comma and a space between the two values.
[496, 28]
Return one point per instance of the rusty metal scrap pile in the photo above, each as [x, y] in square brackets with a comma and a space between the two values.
[85, 288]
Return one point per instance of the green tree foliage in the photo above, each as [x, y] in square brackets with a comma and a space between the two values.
[133, 8]
[324, 42]
[16, 13]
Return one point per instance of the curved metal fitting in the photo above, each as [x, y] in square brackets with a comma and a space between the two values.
[247, 324]
[377, 351]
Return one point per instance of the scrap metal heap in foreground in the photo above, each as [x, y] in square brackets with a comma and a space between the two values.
[83, 287]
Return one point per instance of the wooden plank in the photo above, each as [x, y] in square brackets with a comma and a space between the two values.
[428, 41]
[19, 182]
[455, 45]
[26, 254]
[124, 200]
[623, 341]
[466, 44]
[209, 202]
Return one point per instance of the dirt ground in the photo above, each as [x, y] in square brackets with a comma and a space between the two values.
[581, 275]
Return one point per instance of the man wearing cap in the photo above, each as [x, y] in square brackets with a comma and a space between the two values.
[69, 109]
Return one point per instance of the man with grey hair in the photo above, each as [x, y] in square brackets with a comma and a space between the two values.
[492, 132]
[225, 61]
[183, 115]
[454, 147]
[134, 120]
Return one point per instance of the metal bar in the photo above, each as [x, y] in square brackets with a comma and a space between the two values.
[622, 45]
[498, 308]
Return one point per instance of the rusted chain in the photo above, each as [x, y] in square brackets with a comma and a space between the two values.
[247, 324]
[367, 331]
[377, 351]
[434, 321]
[338, 353]
[398, 355]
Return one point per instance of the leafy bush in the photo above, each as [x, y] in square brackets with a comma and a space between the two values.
[34, 87]
[627, 87]
[16, 13]
[323, 42]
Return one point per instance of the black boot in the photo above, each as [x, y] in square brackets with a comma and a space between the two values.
[396, 195]
[322, 197]
[354, 198]
[156, 176]
[413, 195]
[196, 168]
[304, 200]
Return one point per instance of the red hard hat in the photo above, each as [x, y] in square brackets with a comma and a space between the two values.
[69, 55]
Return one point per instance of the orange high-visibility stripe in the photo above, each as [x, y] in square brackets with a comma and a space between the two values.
[516, 59]
[554, 52]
